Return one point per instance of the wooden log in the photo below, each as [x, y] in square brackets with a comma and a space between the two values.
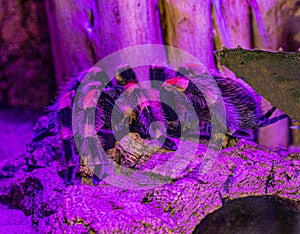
[232, 24]
[232, 27]
[83, 32]
[187, 25]
[26, 77]
[269, 18]
[291, 30]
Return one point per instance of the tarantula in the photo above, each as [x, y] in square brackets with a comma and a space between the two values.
[136, 107]
[99, 98]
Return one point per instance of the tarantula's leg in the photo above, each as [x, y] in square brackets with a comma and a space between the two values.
[153, 124]
[269, 113]
[295, 127]
[132, 116]
[97, 170]
[264, 120]
[168, 105]
[267, 122]
[243, 134]
[65, 115]
[157, 73]
[125, 75]
[71, 159]
[41, 134]
[44, 128]
[168, 143]
[97, 158]
[159, 132]
[68, 145]
[174, 128]
[90, 131]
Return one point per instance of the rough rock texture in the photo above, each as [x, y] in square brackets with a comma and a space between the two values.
[26, 63]
[187, 25]
[31, 182]
[14, 221]
[172, 197]
[179, 205]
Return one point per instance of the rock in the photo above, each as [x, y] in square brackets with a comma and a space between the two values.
[31, 182]
[162, 192]
[37, 193]
[179, 205]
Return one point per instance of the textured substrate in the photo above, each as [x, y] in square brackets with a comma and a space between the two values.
[36, 187]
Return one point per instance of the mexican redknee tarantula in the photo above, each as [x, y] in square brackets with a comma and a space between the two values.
[96, 100]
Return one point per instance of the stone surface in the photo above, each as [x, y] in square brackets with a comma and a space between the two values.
[181, 197]
[179, 205]
[31, 182]
[14, 221]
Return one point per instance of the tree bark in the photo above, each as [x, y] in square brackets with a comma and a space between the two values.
[269, 17]
[231, 20]
[255, 23]
[187, 25]
[84, 32]
[232, 24]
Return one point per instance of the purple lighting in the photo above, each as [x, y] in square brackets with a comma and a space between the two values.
[116, 116]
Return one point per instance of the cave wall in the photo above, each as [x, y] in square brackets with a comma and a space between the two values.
[26, 71]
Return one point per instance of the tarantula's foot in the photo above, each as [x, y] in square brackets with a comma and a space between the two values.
[70, 176]
[98, 176]
[96, 180]
[168, 143]
[243, 134]
[41, 134]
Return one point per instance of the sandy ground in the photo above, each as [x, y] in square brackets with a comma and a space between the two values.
[15, 132]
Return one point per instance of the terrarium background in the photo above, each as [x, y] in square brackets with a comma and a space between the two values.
[43, 43]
